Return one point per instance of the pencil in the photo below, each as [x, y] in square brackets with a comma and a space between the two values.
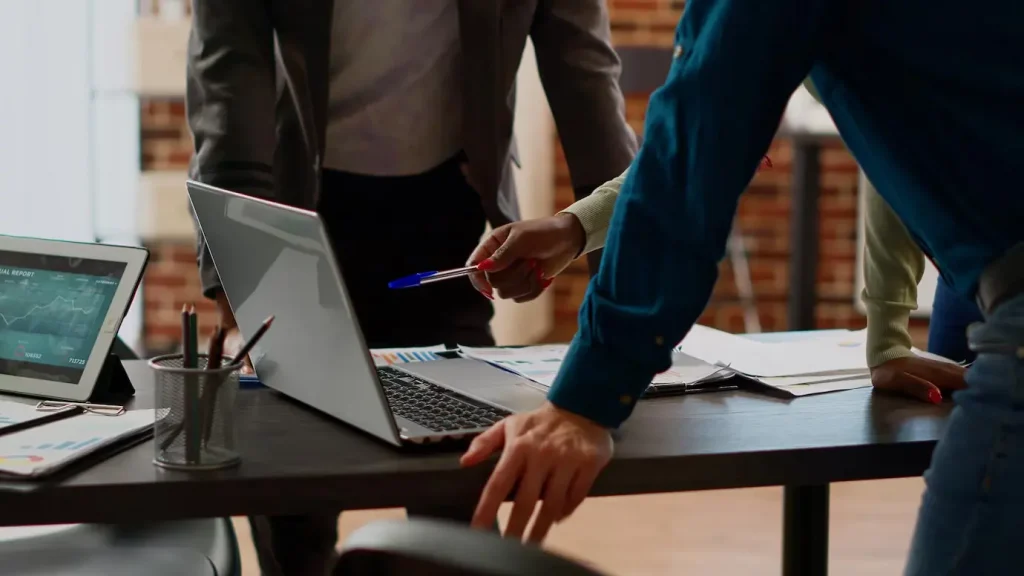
[193, 334]
[193, 423]
[186, 344]
[248, 346]
[213, 381]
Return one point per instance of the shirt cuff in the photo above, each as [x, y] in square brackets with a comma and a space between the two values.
[598, 384]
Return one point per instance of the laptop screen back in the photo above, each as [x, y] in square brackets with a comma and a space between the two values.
[276, 260]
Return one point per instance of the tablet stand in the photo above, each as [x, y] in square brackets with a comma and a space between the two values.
[112, 385]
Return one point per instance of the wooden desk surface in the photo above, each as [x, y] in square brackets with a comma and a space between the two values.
[297, 461]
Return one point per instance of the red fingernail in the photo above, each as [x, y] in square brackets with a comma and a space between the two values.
[934, 396]
[548, 282]
[766, 162]
[486, 295]
[486, 265]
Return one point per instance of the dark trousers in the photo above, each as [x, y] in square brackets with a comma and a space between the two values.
[383, 228]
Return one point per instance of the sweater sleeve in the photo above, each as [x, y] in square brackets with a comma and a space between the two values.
[595, 212]
[893, 266]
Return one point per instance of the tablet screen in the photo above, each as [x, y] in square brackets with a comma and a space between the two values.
[51, 311]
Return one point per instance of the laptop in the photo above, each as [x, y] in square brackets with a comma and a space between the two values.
[277, 260]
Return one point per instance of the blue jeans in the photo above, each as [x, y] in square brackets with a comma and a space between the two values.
[947, 330]
[971, 520]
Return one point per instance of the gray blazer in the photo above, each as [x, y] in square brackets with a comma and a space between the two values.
[257, 90]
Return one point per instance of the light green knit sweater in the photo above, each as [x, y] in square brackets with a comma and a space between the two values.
[893, 264]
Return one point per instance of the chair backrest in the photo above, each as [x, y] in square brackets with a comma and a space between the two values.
[420, 547]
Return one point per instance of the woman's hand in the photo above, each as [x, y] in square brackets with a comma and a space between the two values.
[918, 377]
[519, 260]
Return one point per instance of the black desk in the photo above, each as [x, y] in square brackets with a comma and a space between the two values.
[296, 461]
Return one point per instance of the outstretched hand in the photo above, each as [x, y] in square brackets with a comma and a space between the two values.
[548, 455]
[519, 260]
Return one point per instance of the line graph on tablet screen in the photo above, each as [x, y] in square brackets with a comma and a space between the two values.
[51, 317]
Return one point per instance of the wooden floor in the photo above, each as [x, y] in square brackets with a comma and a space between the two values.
[724, 533]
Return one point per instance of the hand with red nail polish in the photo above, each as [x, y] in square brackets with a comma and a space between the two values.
[922, 378]
[518, 261]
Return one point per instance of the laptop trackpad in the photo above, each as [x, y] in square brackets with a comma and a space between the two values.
[481, 380]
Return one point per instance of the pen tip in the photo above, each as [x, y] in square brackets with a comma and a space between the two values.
[184, 308]
[269, 320]
[192, 309]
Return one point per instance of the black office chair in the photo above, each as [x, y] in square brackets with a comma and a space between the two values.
[203, 547]
[420, 547]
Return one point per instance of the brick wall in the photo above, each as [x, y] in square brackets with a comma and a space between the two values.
[763, 217]
[171, 277]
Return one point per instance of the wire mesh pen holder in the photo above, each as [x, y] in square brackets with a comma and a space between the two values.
[195, 414]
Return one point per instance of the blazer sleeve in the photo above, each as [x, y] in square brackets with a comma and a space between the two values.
[230, 100]
[580, 73]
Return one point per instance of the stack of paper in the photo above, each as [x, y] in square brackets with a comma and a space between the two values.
[540, 364]
[807, 365]
[44, 449]
[15, 413]
[389, 356]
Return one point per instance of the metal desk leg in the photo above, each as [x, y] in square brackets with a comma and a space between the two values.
[803, 249]
[805, 530]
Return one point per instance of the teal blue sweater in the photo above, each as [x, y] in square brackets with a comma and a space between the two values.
[928, 96]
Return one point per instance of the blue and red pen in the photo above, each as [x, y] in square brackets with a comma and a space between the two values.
[431, 277]
[424, 278]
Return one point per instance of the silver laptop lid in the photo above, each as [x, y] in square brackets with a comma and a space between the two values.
[274, 259]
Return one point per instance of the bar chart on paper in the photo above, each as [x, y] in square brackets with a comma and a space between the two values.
[65, 445]
[44, 448]
[391, 356]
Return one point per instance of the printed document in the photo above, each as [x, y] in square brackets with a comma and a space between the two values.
[43, 449]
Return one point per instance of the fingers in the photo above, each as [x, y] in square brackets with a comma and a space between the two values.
[507, 254]
[527, 495]
[498, 487]
[579, 489]
[944, 375]
[233, 345]
[908, 384]
[920, 388]
[489, 245]
[484, 445]
[556, 494]
[482, 253]
[521, 282]
[482, 285]
[534, 283]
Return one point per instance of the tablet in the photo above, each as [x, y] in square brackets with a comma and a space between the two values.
[61, 304]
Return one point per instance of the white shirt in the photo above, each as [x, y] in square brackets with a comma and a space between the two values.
[395, 103]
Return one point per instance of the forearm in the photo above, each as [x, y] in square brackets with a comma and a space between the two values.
[707, 129]
[893, 266]
[230, 95]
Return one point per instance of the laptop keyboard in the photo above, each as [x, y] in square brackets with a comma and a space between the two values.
[434, 407]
